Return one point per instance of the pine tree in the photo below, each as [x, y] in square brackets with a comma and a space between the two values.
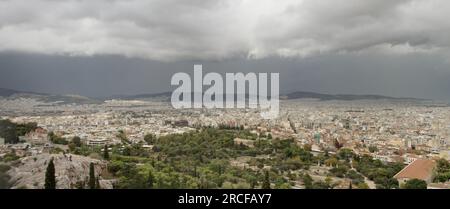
[266, 182]
[105, 152]
[150, 180]
[91, 176]
[50, 179]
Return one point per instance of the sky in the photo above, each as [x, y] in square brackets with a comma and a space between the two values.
[109, 47]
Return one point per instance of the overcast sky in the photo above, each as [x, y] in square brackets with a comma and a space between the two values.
[106, 47]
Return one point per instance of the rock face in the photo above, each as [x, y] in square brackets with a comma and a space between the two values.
[70, 170]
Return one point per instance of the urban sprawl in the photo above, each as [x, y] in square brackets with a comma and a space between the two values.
[312, 144]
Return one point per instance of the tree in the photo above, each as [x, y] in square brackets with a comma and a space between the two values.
[253, 182]
[331, 162]
[106, 153]
[307, 147]
[363, 185]
[97, 183]
[150, 138]
[266, 182]
[57, 139]
[415, 184]
[50, 179]
[76, 141]
[4, 177]
[91, 176]
[150, 180]
[373, 149]
[307, 181]
[442, 171]
[8, 131]
[345, 154]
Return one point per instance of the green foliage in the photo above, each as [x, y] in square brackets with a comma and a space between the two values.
[130, 176]
[382, 174]
[123, 137]
[339, 171]
[345, 154]
[150, 138]
[442, 173]
[4, 177]
[201, 159]
[362, 185]
[150, 180]
[8, 131]
[76, 141]
[191, 160]
[57, 139]
[307, 181]
[266, 182]
[373, 149]
[11, 131]
[415, 184]
[355, 177]
[9, 157]
[22, 129]
[106, 152]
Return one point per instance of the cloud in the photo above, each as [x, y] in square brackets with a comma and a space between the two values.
[211, 30]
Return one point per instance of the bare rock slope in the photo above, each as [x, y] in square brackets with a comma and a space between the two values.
[70, 170]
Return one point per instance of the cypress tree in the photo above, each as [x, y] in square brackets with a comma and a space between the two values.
[105, 152]
[50, 179]
[91, 176]
[97, 183]
[266, 182]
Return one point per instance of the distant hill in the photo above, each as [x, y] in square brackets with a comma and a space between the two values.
[142, 96]
[347, 97]
[165, 96]
[64, 99]
[293, 95]
[9, 92]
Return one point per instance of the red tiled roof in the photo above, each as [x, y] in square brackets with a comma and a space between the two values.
[419, 169]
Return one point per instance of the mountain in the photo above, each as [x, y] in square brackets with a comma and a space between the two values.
[50, 98]
[165, 96]
[9, 92]
[142, 96]
[346, 97]
[294, 95]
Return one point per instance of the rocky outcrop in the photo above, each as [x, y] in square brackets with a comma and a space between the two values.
[71, 171]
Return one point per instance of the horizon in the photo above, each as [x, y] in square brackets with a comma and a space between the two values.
[154, 94]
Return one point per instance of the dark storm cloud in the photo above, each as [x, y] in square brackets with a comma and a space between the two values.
[204, 29]
[418, 75]
[107, 47]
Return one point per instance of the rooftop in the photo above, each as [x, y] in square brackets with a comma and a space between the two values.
[419, 169]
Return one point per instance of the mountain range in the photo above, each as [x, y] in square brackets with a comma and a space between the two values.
[9, 93]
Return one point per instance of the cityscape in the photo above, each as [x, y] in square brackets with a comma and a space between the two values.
[225, 102]
[314, 143]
